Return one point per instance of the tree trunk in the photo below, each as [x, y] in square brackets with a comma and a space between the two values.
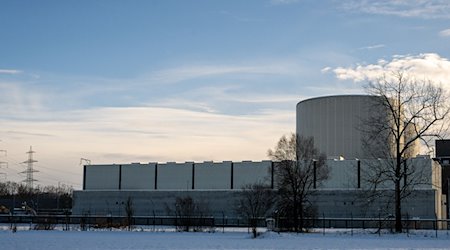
[301, 226]
[295, 215]
[398, 200]
[253, 224]
[398, 208]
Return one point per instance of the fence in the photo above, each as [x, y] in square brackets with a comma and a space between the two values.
[118, 221]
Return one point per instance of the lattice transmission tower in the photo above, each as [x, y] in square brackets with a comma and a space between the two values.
[29, 180]
[3, 163]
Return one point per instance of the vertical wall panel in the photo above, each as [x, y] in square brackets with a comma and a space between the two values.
[216, 176]
[342, 175]
[138, 176]
[335, 123]
[251, 172]
[175, 176]
[209, 175]
[102, 177]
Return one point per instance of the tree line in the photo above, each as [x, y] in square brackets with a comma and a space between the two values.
[10, 188]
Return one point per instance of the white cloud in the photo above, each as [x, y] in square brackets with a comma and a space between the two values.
[266, 98]
[191, 72]
[16, 99]
[377, 46]
[10, 71]
[428, 9]
[223, 88]
[428, 66]
[445, 33]
[235, 112]
[117, 135]
[326, 69]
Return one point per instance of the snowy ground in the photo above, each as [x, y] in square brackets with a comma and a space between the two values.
[231, 239]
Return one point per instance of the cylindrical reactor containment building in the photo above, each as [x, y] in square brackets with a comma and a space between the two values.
[336, 123]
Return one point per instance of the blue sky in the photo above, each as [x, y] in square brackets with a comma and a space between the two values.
[141, 81]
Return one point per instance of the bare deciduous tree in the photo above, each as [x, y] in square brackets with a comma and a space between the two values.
[300, 169]
[412, 111]
[129, 211]
[190, 214]
[255, 202]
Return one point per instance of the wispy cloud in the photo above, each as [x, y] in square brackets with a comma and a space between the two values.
[111, 135]
[283, 2]
[266, 98]
[429, 9]
[428, 66]
[191, 72]
[22, 133]
[10, 71]
[240, 18]
[16, 99]
[445, 33]
[202, 111]
[213, 88]
[197, 71]
[377, 46]
[326, 69]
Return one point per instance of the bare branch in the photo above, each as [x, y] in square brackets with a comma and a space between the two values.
[300, 169]
[412, 111]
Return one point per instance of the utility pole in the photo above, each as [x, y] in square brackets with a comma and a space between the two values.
[30, 170]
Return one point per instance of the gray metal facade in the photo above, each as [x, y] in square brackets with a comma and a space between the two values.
[336, 123]
[154, 187]
[331, 203]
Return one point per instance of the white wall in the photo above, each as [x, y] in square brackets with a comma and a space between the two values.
[175, 176]
[342, 175]
[209, 175]
[102, 177]
[248, 172]
[217, 175]
[423, 172]
[138, 176]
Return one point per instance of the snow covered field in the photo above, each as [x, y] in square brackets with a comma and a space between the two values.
[68, 240]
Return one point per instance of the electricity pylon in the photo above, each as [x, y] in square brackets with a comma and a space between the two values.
[30, 170]
[3, 163]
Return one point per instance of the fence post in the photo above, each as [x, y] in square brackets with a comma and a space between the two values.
[379, 224]
[154, 220]
[323, 218]
[436, 224]
[351, 223]
[407, 224]
[223, 222]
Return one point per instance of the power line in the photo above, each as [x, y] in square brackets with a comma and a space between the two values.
[14, 168]
[59, 170]
[50, 176]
